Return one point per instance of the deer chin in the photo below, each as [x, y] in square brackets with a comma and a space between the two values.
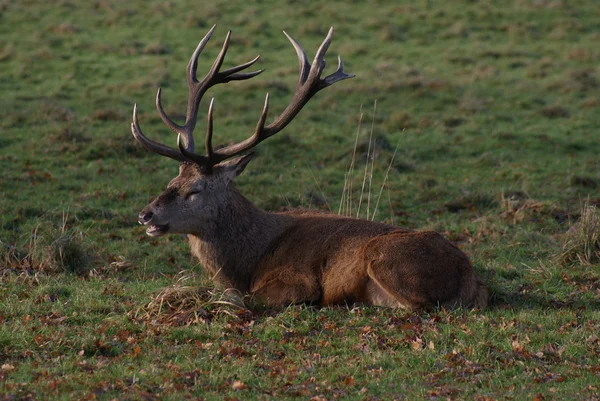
[156, 230]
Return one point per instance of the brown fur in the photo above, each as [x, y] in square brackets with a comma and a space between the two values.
[333, 260]
[304, 256]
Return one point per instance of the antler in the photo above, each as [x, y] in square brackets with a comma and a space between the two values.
[196, 91]
[309, 83]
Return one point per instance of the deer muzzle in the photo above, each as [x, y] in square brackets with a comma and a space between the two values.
[153, 230]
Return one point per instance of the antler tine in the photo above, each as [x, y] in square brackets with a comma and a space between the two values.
[193, 63]
[303, 64]
[259, 135]
[242, 77]
[309, 83]
[338, 75]
[318, 64]
[149, 143]
[209, 130]
[230, 74]
[163, 116]
[202, 161]
[263, 117]
[219, 60]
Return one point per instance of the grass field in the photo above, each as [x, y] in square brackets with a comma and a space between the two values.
[493, 109]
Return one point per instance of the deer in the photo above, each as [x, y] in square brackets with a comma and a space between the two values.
[296, 256]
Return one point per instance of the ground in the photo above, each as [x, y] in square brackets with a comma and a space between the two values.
[486, 114]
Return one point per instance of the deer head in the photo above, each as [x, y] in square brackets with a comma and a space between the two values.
[202, 191]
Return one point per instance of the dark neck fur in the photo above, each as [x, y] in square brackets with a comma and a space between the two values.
[231, 246]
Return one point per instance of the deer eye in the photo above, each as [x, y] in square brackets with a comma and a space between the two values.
[190, 194]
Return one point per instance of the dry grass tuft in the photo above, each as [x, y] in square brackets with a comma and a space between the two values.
[185, 305]
[50, 250]
[582, 241]
[518, 209]
[65, 253]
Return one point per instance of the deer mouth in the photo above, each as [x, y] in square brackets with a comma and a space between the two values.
[156, 230]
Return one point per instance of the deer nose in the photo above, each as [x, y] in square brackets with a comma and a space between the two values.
[145, 217]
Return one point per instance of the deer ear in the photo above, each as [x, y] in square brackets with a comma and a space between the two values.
[234, 167]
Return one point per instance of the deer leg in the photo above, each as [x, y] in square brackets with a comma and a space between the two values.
[286, 286]
[381, 291]
[418, 270]
[398, 266]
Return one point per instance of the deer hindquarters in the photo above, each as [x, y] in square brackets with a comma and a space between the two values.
[415, 270]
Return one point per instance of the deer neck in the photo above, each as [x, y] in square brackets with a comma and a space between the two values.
[231, 246]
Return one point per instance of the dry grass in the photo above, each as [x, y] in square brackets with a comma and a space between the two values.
[370, 150]
[519, 209]
[185, 305]
[65, 253]
[50, 249]
[582, 241]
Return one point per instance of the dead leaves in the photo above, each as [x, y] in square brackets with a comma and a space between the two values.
[549, 377]
[518, 346]
[418, 344]
[444, 391]
[53, 318]
[227, 351]
[330, 353]
[121, 264]
[239, 385]
[7, 367]
[305, 349]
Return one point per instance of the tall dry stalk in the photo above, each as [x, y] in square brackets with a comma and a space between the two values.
[385, 178]
[347, 200]
[367, 175]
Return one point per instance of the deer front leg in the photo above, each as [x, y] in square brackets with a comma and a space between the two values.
[286, 286]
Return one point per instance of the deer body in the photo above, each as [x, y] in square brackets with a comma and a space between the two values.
[298, 256]
[332, 260]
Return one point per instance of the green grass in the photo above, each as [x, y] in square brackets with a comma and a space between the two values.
[493, 107]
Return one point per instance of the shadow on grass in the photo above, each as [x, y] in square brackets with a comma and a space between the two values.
[504, 300]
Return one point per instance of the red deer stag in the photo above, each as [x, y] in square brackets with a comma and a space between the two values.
[297, 256]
